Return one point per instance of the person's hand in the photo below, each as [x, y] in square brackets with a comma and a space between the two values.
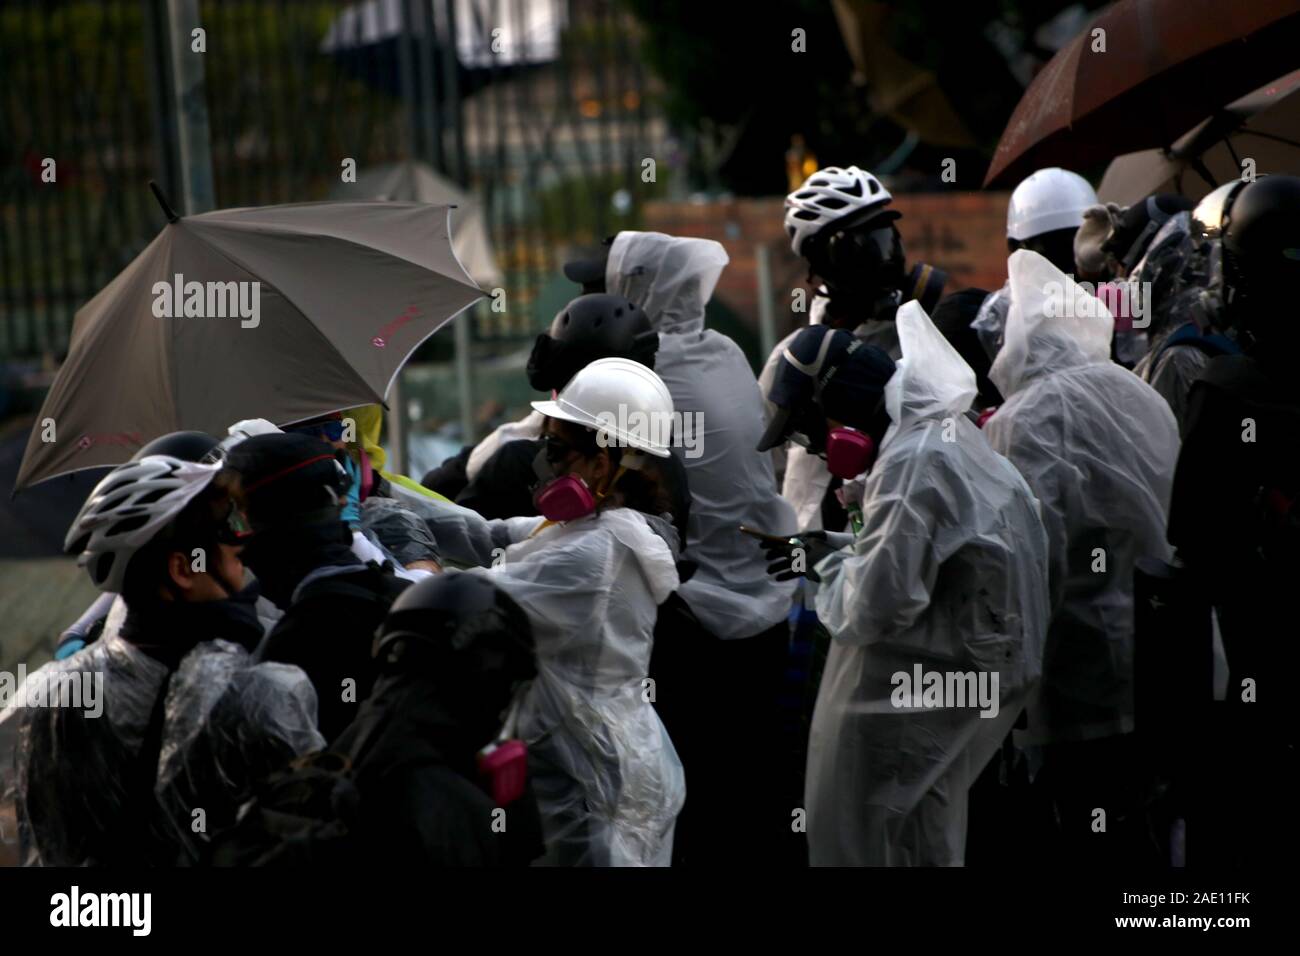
[796, 556]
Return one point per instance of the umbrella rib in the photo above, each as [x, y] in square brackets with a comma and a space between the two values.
[1273, 136]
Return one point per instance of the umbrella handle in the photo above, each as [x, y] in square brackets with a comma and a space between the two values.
[162, 201]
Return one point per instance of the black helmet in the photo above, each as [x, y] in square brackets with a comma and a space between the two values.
[588, 328]
[289, 479]
[1261, 249]
[466, 635]
[187, 446]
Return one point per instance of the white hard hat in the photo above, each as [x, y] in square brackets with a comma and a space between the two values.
[129, 506]
[827, 195]
[1046, 200]
[622, 399]
[242, 430]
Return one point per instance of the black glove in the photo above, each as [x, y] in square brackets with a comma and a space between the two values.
[796, 556]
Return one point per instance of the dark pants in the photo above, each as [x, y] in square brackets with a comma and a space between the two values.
[720, 701]
[1111, 775]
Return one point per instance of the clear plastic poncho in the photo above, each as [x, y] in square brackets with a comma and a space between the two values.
[70, 784]
[607, 779]
[715, 391]
[948, 576]
[1174, 271]
[1098, 447]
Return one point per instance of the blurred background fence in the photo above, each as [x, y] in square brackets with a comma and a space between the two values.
[539, 109]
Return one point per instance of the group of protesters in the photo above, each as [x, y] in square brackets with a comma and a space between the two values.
[962, 576]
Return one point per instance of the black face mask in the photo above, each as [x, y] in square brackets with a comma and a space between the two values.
[863, 270]
[281, 557]
[168, 630]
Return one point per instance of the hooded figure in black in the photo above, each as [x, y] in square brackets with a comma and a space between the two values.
[451, 657]
[411, 780]
[292, 488]
[1235, 519]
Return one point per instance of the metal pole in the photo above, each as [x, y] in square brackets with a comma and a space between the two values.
[190, 104]
[459, 167]
[396, 414]
[464, 381]
[766, 319]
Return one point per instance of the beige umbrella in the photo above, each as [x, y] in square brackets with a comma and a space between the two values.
[1263, 126]
[278, 312]
[411, 181]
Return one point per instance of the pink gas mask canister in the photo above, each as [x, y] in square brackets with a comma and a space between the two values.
[503, 764]
[566, 498]
[849, 452]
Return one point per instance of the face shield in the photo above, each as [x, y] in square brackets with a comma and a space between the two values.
[863, 268]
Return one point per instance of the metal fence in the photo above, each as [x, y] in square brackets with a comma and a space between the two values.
[538, 107]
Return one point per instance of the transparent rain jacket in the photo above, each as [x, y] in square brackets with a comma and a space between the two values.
[711, 383]
[948, 575]
[68, 773]
[607, 779]
[1098, 447]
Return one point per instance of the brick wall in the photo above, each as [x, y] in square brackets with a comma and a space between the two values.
[961, 232]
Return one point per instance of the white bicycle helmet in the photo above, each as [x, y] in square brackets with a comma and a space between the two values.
[827, 195]
[128, 508]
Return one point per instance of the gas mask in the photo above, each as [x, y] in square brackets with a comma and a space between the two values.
[503, 764]
[863, 271]
[849, 452]
[563, 498]
[566, 498]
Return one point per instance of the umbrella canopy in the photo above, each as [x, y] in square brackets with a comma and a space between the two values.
[411, 181]
[279, 312]
[1165, 65]
[1263, 126]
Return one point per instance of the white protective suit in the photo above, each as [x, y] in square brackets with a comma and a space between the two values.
[226, 722]
[607, 779]
[949, 573]
[731, 483]
[1098, 447]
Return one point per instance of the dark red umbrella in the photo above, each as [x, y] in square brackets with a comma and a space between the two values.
[1166, 65]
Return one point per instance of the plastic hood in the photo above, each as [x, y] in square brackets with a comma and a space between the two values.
[671, 278]
[1052, 324]
[931, 380]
